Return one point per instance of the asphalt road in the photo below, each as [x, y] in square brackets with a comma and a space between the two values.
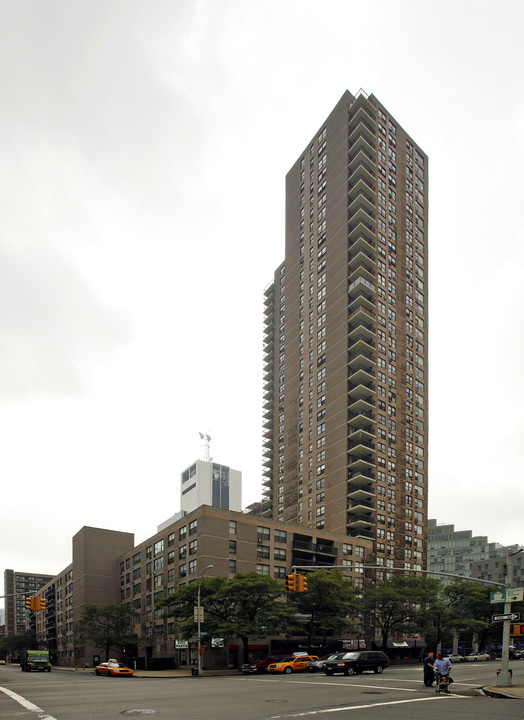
[396, 694]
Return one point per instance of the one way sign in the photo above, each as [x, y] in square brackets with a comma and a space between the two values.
[506, 616]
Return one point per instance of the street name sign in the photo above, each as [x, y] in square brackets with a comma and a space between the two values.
[506, 616]
[507, 595]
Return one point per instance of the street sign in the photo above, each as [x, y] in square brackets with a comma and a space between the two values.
[508, 595]
[506, 616]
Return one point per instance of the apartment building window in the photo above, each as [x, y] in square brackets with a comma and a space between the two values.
[262, 552]
[182, 551]
[193, 546]
[159, 547]
[171, 539]
[279, 572]
[280, 536]
[263, 534]
[262, 569]
[149, 552]
[171, 557]
[232, 566]
[232, 546]
[279, 554]
[136, 559]
[182, 533]
[182, 570]
[159, 563]
[192, 567]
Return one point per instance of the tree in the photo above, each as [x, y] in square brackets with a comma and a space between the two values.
[402, 602]
[248, 606]
[107, 626]
[327, 604]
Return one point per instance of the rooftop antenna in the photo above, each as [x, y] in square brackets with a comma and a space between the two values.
[205, 444]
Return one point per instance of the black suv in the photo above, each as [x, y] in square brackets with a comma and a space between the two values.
[357, 661]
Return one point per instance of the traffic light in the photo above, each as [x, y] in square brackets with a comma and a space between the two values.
[40, 603]
[301, 583]
[291, 583]
[29, 603]
[516, 630]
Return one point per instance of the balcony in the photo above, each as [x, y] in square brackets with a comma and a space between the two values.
[360, 521]
[364, 492]
[364, 173]
[362, 138]
[360, 478]
[361, 115]
[361, 420]
[362, 464]
[362, 331]
[365, 271]
[364, 202]
[360, 507]
[362, 257]
[360, 406]
[364, 158]
[361, 376]
[361, 186]
[361, 448]
[357, 392]
[326, 550]
[304, 546]
[361, 360]
[361, 532]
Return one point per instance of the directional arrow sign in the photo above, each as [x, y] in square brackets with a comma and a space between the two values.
[507, 616]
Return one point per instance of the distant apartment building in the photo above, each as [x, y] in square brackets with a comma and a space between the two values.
[346, 338]
[459, 552]
[207, 483]
[18, 586]
[92, 577]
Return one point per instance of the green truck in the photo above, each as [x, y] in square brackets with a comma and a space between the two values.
[35, 660]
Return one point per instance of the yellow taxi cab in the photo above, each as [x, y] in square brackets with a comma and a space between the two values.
[294, 663]
[113, 669]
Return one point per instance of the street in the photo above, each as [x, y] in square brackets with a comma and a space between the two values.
[397, 693]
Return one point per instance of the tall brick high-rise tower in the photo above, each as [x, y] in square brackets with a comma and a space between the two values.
[346, 351]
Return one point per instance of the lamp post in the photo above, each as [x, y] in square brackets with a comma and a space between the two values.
[199, 658]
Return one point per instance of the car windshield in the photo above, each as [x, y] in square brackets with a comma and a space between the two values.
[288, 659]
[350, 656]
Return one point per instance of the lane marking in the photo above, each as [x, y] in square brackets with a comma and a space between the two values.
[343, 684]
[346, 708]
[27, 704]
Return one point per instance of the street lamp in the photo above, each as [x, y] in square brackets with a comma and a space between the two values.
[199, 658]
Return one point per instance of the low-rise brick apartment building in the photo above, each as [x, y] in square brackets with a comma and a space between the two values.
[108, 568]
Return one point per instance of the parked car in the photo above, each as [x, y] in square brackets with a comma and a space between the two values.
[318, 665]
[355, 662]
[516, 654]
[475, 657]
[295, 663]
[113, 669]
[260, 665]
[455, 658]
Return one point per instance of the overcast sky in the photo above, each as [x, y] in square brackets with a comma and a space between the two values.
[144, 147]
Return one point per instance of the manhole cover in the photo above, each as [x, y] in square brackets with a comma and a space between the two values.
[139, 711]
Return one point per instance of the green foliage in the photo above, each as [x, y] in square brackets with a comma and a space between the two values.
[401, 603]
[106, 626]
[329, 601]
[248, 606]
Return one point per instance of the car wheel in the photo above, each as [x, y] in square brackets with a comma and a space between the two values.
[287, 670]
[379, 669]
